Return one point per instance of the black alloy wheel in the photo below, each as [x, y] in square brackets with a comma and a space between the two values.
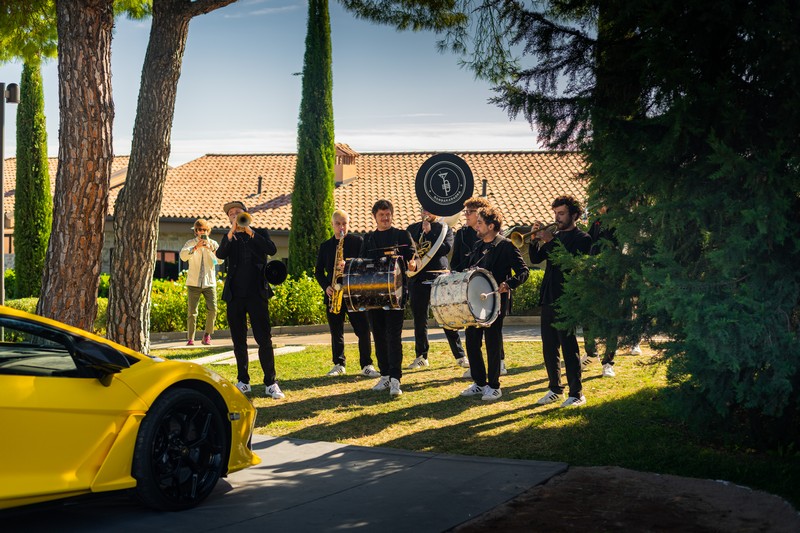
[180, 451]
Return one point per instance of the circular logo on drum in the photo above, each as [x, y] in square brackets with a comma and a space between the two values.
[444, 182]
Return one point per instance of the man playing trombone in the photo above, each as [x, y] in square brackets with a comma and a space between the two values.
[496, 254]
[566, 210]
[428, 233]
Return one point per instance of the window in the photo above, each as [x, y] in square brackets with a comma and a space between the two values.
[33, 350]
[166, 265]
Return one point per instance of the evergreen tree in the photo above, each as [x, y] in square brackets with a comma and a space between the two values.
[33, 209]
[312, 198]
[688, 116]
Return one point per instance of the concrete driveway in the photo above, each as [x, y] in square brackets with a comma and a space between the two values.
[316, 486]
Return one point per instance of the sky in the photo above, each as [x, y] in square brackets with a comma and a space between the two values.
[240, 88]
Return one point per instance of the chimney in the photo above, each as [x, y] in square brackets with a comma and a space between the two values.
[345, 168]
[484, 188]
[260, 180]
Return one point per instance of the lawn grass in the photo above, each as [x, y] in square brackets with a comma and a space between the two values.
[626, 421]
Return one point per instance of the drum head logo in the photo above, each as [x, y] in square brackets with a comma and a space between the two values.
[444, 182]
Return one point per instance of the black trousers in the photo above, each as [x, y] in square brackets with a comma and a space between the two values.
[420, 294]
[552, 340]
[258, 309]
[489, 373]
[360, 325]
[590, 343]
[387, 330]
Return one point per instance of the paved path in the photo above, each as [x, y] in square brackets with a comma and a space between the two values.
[317, 487]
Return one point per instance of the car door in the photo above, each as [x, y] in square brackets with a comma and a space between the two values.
[58, 418]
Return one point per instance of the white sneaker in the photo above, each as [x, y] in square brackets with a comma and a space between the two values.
[337, 370]
[490, 394]
[419, 362]
[394, 387]
[370, 372]
[503, 369]
[244, 387]
[550, 397]
[574, 402]
[463, 362]
[382, 384]
[275, 391]
[472, 390]
[586, 361]
[467, 374]
[608, 371]
[636, 350]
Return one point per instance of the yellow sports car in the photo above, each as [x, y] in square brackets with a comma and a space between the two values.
[80, 414]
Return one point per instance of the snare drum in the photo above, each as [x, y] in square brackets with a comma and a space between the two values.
[456, 299]
[374, 284]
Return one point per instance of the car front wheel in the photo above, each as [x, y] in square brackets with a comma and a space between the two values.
[180, 451]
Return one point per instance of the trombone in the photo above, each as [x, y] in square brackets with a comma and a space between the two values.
[518, 239]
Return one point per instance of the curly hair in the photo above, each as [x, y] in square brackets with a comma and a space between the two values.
[492, 215]
[571, 202]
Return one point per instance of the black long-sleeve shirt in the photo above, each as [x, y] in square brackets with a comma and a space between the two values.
[246, 257]
[576, 242]
[323, 272]
[503, 260]
[465, 238]
[377, 243]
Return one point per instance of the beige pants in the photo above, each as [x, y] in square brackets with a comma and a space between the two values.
[210, 295]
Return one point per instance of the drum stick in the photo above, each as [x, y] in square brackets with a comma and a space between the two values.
[485, 295]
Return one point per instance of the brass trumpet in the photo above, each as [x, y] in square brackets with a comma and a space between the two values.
[518, 239]
[244, 219]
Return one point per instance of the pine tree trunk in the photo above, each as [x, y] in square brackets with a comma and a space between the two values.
[136, 212]
[69, 285]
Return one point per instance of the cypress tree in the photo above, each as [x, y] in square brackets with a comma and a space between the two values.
[312, 199]
[33, 210]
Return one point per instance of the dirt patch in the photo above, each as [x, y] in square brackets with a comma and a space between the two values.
[617, 499]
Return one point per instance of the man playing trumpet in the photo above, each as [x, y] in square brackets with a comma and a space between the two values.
[429, 231]
[247, 293]
[566, 210]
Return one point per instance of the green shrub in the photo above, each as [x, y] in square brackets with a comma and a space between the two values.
[297, 301]
[102, 289]
[526, 296]
[29, 306]
[10, 283]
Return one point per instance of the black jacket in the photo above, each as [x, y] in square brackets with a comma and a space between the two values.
[439, 260]
[599, 232]
[576, 242]
[501, 258]
[233, 251]
[378, 243]
[463, 242]
[323, 272]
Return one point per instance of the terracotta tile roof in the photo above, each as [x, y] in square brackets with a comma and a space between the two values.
[119, 168]
[521, 183]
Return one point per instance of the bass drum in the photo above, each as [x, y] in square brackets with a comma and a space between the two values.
[374, 284]
[464, 299]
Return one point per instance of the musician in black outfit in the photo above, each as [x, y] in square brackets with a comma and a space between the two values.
[420, 285]
[601, 236]
[387, 325]
[323, 272]
[247, 292]
[496, 254]
[464, 240]
[566, 210]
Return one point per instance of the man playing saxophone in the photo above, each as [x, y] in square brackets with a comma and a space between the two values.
[328, 273]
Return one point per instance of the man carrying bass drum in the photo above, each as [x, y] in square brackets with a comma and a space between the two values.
[496, 254]
[323, 272]
[419, 288]
[387, 324]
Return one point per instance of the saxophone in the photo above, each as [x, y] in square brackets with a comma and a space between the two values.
[336, 278]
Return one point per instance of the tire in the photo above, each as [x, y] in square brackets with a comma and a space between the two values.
[180, 451]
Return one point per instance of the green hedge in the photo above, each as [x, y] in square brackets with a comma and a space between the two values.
[296, 302]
